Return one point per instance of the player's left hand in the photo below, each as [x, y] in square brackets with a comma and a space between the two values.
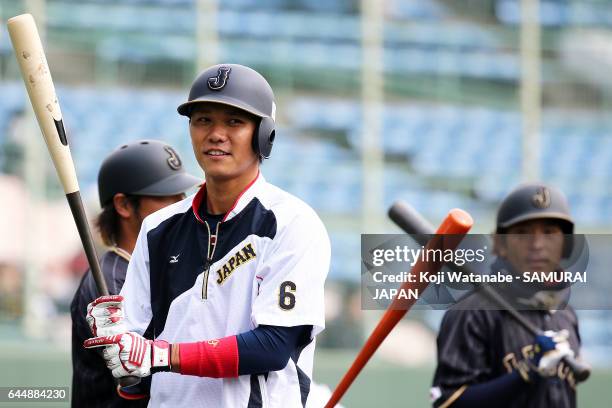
[131, 354]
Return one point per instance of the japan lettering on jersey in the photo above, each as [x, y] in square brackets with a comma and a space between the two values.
[268, 266]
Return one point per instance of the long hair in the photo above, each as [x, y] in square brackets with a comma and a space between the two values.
[107, 222]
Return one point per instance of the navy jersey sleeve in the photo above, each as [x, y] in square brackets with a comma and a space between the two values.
[495, 392]
[463, 354]
[268, 348]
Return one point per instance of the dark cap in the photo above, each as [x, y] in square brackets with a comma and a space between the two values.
[143, 167]
[534, 201]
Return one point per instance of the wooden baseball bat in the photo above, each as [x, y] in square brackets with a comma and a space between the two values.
[412, 222]
[456, 223]
[41, 91]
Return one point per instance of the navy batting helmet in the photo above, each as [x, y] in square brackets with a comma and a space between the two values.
[243, 88]
[537, 201]
[143, 167]
[534, 201]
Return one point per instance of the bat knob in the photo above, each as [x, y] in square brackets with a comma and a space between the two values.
[581, 370]
[129, 381]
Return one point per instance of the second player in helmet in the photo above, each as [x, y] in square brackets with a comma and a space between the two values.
[485, 358]
[135, 180]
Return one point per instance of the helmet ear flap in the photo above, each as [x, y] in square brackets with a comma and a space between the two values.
[264, 137]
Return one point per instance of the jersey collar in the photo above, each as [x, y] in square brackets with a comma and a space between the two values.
[245, 197]
[122, 253]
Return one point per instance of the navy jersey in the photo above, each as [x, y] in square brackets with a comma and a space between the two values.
[92, 383]
[476, 346]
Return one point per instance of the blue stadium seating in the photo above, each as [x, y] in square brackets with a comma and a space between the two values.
[475, 144]
[483, 145]
[399, 9]
[557, 13]
[5, 45]
[12, 99]
[295, 38]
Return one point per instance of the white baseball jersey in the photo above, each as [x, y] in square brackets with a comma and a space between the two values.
[269, 266]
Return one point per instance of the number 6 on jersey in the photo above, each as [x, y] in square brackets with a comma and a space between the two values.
[286, 296]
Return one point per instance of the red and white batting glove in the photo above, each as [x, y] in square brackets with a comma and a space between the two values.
[131, 354]
[105, 316]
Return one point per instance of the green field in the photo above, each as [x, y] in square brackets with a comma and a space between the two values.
[380, 384]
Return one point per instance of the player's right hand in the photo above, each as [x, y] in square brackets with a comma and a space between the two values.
[130, 354]
[105, 316]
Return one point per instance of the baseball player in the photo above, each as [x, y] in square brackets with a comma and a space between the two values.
[485, 358]
[224, 292]
[134, 181]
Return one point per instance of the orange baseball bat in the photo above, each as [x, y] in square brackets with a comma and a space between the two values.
[457, 223]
